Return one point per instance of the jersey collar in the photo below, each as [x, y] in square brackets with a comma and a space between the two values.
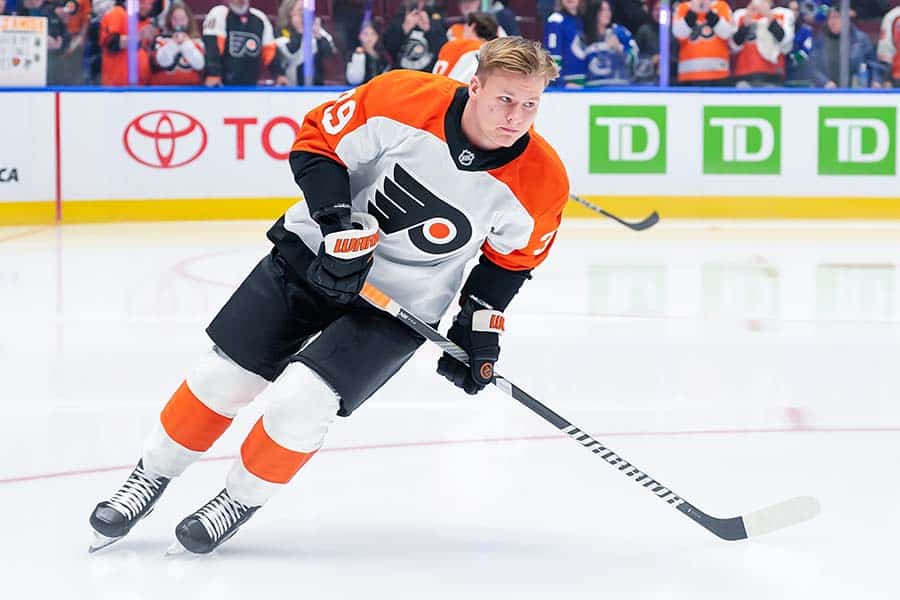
[466, 156]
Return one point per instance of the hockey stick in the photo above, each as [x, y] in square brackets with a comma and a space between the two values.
[771, 518]
[646, 223]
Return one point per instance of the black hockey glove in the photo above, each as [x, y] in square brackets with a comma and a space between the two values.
[740, 36]
[476, 329]
[345, 257]
[711, 19]
[776, 30]
[690, 18]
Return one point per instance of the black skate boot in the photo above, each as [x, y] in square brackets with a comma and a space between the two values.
[206, 529]
[112, 519]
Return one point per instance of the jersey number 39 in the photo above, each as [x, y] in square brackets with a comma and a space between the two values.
[339, 114]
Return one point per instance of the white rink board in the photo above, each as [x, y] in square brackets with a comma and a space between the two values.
[27, 146]
[170, 142]
[565, 121]
[197, 145]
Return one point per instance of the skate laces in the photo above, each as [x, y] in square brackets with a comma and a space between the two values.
[220, 513]
[135, 494]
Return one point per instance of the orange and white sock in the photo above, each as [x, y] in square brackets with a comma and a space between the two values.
[198, 413]
[291, 430]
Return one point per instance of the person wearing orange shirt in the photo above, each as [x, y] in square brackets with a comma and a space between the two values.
[703, 28]
[114, 44]
[405, 180]
[458, 58]
[764, 38]
[177, 57]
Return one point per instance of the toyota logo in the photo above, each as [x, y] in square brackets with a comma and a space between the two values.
[164, 139]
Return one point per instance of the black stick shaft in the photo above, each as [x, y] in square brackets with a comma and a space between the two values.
[648, 222]
[728, 529]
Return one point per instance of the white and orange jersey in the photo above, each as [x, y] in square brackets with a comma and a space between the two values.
[703, 54]
[761, 52]
[438, 199]
[889, 42]
[458, 59]
[175, 65]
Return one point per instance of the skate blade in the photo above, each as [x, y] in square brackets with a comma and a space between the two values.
[176, 549]
[101, 541]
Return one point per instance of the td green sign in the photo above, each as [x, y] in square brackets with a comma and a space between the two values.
[627, 139]
[857, 140]
[742, 140]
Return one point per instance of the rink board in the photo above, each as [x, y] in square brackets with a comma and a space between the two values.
[186, 155]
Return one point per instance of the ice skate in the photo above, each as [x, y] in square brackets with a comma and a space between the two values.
[208, 527]
[112, 519]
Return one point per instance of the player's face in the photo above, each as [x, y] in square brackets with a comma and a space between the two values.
[505, 106]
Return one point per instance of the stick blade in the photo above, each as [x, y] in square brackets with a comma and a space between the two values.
[781, 515]
[647, 223]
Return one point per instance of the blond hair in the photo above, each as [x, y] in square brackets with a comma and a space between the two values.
[517, 55]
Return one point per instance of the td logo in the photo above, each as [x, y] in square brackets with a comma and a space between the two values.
[742, 140]
[856, 140]
[627, 139]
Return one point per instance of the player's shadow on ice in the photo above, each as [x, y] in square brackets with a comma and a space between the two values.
[391, 544]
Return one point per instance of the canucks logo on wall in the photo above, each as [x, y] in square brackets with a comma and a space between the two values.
[433, 225]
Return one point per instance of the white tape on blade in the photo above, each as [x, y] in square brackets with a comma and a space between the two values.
[784, 514]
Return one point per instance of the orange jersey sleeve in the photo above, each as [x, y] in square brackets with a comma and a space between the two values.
[541, 185]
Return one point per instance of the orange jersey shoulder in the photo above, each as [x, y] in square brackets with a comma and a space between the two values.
[414, 98]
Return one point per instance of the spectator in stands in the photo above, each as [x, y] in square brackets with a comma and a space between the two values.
[761, 43]
[369, 59]
[606, 50]
[466, 7]
[415, 36]
[506, 18]
[630, 14]
[7, 7]
[177, 57]
[703, 29]
[239, 44]
[76, 15]
[290, 45]
[867, 10]
[113, 40]
[57, 34]
[646, 70]
[888, 46]
[797, 70]
[826, 55]
[561, 33]
[458, 58]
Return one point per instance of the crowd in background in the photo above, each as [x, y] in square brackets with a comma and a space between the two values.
[755, 43]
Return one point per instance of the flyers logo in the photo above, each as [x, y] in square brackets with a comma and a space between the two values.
[243, 43]
[487, 371]
[433, 225]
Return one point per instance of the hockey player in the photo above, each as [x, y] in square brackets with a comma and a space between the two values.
[398, 193]
[458, 58]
